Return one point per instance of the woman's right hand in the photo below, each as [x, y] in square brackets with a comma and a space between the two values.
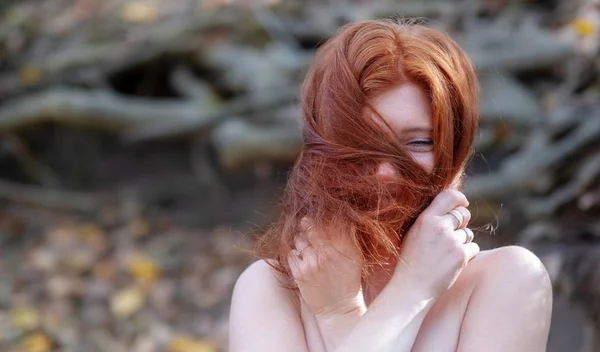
[438, 246]
[327, 272]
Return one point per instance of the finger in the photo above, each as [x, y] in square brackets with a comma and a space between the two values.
[308, 228]
[458, 217]
[305, 223]
[310, 258]
[294, 264]
[460, 235]
[471, 250]
[453, 219]
[470, 235]
[301, 243]
[446, 201]
[466, 215]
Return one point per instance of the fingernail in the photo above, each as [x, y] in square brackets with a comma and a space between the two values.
[305, 223]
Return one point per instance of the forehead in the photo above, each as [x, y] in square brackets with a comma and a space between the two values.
[404, 107]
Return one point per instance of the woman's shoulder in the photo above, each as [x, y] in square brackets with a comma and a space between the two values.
[259, 271]
[263, 316]
[260, 279]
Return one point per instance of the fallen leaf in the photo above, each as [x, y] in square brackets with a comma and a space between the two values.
[30, 74]
[126, 302]
[143, 269]
[36, 342]
[25, 318]
[583, 27]
[186, 344]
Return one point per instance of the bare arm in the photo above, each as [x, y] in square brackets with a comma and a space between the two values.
[263, 318]
[391, 322]
[433, 255]
[334, 329]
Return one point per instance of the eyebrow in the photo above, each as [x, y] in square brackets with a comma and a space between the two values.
[417, 129]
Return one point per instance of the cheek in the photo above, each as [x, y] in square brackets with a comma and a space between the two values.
[425, 160]
[387, 172]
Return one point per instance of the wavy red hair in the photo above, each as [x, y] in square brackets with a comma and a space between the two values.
[334, 180]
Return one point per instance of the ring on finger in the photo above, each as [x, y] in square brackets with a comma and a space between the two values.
[458, 216]
[470, 235]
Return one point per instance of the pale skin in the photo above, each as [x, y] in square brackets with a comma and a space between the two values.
[442, 294]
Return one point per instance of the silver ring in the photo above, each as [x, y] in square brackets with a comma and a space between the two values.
[470, 235]
[459, 218]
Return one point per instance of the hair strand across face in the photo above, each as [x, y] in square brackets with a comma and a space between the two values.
[334, 180]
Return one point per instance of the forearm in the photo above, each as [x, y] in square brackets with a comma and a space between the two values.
[391, 322]
[335, 328]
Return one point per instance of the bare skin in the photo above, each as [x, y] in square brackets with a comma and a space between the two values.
[441, 295]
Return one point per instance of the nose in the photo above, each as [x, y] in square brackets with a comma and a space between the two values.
[386, 171]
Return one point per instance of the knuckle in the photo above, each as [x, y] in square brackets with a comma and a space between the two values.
[439, 227]
[455, 196]
[460, 256]
[467, 214]
[425, 218]
[470, 233]
[447, 194]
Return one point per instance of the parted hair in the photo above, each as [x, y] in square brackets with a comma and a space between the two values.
[334, 181]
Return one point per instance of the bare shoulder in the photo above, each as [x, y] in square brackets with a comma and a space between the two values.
[516, 260]
[263, 315]
[258, 272]
[514, 264]
[259, 282]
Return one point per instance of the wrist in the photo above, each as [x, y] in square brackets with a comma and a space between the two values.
[407, 284]
[352, 307]
[336, 325]
[406, 276]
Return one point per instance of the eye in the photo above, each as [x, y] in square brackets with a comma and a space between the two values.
[421, 145]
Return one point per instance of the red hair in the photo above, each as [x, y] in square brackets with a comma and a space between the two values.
[334, 180]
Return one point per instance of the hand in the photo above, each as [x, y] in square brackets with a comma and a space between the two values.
[327, 272]
[438, 246]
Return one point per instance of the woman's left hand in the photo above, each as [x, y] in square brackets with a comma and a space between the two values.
[327, 272]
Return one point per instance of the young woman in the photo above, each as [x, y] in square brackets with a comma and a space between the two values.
[372, 251]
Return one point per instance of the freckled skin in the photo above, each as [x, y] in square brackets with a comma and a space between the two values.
[406, 108]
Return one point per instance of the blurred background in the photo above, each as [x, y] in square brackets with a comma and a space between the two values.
[144, 142]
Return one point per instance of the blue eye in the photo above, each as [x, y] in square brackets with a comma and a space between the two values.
[424, 142]
[421, 145]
